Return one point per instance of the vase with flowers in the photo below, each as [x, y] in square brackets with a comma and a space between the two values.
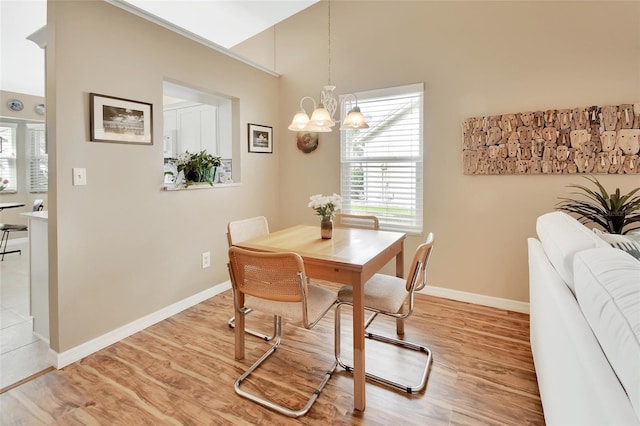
[326, 206]
[197, 168]
[3, 183]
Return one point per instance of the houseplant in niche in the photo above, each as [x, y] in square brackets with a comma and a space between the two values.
[326, 206]
[616, 213]
[197, 168]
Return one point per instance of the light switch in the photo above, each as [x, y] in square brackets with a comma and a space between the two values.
[79, 176]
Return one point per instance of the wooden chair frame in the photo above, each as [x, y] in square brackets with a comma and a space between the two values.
[345, 220]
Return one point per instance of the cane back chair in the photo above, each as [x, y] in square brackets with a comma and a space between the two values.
[242, 230]
[386, 295]
[276, 283]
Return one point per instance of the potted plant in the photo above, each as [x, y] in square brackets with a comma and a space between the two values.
[616, 213]
[197, 168]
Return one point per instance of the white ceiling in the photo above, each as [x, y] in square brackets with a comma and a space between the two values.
[223, 22]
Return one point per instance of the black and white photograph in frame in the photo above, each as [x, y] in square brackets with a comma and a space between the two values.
[120, 120]
[260, 138]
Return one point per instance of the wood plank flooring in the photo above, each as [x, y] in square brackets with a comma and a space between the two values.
[181, 372]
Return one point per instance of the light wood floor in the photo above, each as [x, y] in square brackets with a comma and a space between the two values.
[181, 371]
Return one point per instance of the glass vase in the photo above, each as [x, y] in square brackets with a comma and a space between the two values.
[326, 227]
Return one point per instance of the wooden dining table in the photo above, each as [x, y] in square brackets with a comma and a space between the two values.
[352, 257]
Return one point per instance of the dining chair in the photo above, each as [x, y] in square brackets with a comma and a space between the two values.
[242, 230]
[386, 295]
[276, 283]
[7, 228]
[345, 220]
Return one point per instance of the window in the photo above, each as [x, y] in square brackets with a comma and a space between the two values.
[381, 167]
[8, 155]
[38, 159]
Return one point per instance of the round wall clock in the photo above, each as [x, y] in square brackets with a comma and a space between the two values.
[15, 104]
[39, 109]
[307, 141]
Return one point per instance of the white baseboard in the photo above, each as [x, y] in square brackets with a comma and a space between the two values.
[478, 299]
[60, 360]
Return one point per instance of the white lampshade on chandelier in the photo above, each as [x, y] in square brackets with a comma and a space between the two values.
[354, 119]
[321, 119]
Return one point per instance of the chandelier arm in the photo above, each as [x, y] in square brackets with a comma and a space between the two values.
[312, 100]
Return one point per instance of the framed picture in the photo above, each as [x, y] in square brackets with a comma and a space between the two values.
[120, 120]
[260, 138]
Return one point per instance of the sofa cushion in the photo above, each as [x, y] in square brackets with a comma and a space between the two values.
[562, 236]
[623, 242]
[607, 284]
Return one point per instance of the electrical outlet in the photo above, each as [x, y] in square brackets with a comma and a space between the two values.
[206, 260]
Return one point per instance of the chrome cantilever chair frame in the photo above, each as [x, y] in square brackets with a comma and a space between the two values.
[323, 300]
[241, 230]
[416, 281]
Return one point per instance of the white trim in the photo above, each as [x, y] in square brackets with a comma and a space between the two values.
[60, 360]
[188, 34]
[391, 91]
[478, 299]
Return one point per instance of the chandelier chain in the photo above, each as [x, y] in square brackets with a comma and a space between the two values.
[329, 36]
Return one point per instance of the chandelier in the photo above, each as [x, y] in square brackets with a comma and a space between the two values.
[322, 119]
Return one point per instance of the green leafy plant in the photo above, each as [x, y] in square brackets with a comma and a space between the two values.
[198, 168]
[614, 212]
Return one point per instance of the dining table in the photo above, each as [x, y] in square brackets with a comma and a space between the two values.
[352, 257]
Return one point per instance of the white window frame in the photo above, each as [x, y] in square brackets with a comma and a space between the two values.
[395, 142]
[38, 162]
[8, 157]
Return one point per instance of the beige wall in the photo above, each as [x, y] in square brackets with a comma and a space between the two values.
[120, 248]
[27, 115]
[475, 59]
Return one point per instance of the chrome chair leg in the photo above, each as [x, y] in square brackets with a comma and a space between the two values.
[268, 403]
[413, 346]
[266, 338]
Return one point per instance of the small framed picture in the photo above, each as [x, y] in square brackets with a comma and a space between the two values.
[260, 138]
[120, 120]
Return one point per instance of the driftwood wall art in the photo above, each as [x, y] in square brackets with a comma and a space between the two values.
[563, 141]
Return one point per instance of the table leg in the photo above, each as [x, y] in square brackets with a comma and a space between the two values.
[239, 329]
[359, 396]
[400, 274]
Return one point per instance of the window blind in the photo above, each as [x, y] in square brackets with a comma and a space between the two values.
[8, 155]
[381, 167]
[38, 159]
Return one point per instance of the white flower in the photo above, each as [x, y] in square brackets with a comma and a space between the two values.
[325, 205]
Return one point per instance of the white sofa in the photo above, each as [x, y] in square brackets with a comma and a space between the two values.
[585, 325]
